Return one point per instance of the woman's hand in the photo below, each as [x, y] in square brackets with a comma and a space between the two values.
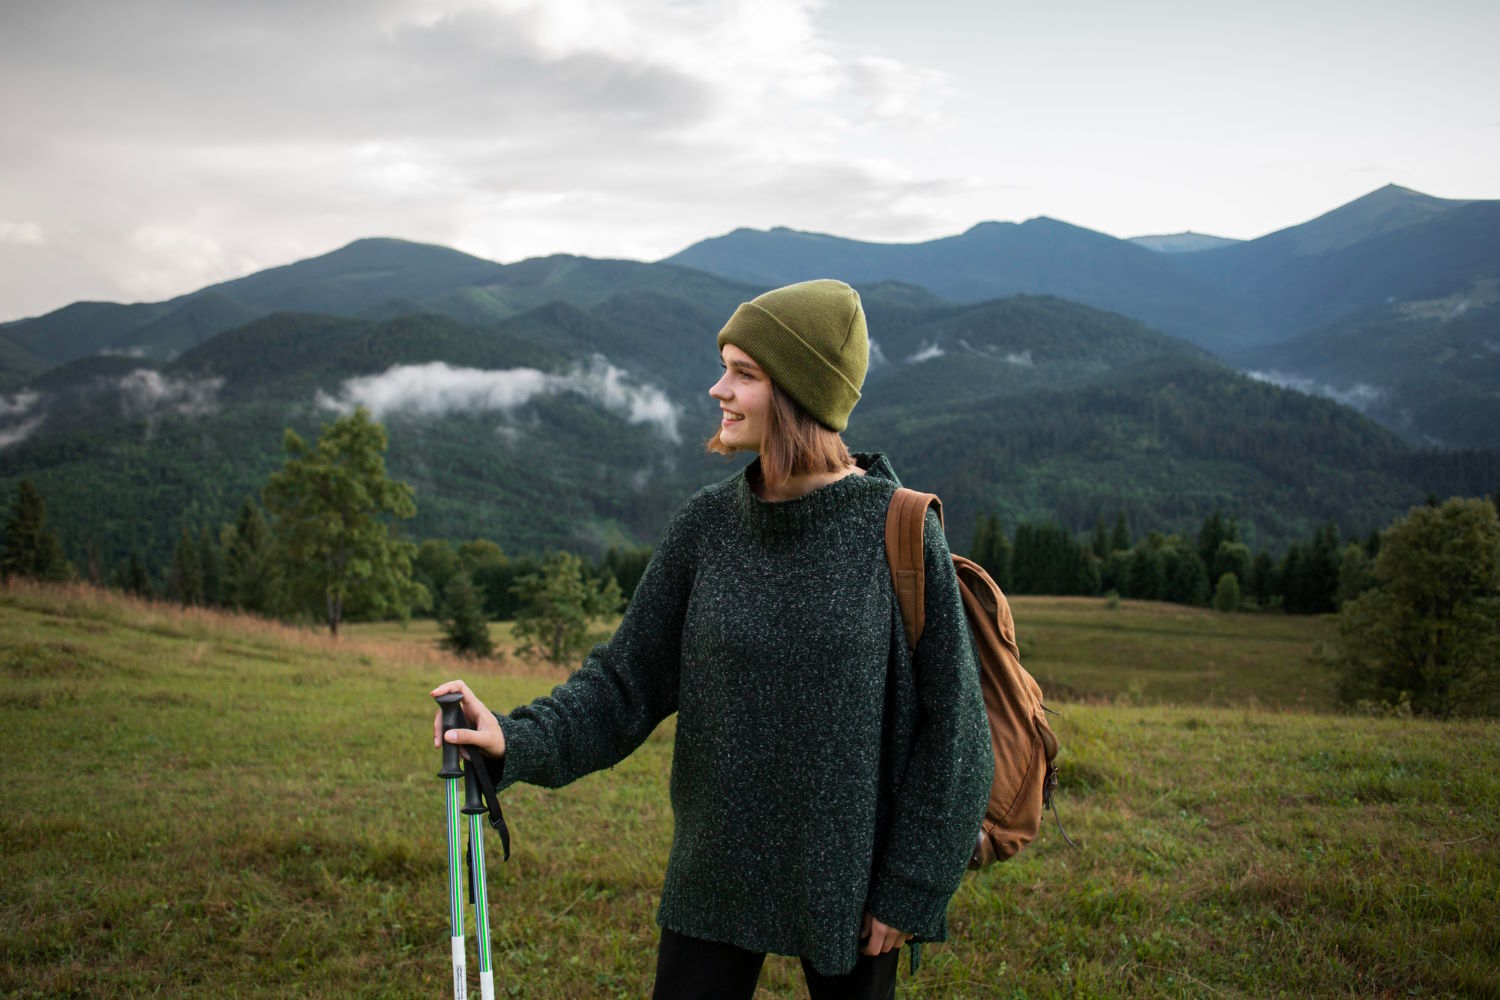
[878, 938]
[486, 734]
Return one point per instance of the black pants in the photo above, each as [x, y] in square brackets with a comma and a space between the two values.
[691, 969]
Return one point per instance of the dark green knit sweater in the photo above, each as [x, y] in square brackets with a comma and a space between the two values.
[817, 771]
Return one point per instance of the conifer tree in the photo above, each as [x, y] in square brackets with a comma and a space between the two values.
[187, 570]
[1232, 557]
[31, 549]
[982, 549]
[1145, 578]
[1001, 555]
[138, 577]
[1210, 535]
[1119, 539]
[1262, 582]
[1099, 542]
[211, 562]
[251, 576]
[464, 627]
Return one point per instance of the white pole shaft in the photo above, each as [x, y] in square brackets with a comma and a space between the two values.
[456, 890]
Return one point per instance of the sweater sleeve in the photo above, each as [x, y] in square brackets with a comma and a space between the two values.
[625, 687]
[940, 798]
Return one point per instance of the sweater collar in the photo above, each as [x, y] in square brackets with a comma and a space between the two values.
[799, 514]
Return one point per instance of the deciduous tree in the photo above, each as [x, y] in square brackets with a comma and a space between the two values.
[1432, 629]
[558, 604]
[334, 513]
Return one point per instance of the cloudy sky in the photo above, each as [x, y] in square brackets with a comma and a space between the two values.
[149, 148]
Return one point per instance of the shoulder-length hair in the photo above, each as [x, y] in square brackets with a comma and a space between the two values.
[795, 444]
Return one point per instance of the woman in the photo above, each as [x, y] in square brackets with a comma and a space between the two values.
[826, 785]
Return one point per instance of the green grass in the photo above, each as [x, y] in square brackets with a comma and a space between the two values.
[196, 803]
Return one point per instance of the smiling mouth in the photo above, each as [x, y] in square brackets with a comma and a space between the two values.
[730, 418]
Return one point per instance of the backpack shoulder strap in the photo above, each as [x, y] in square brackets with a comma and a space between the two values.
[904, 521]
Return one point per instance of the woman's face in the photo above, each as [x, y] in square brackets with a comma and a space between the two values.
[744, 395]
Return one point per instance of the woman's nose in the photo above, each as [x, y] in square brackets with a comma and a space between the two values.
[718, 390]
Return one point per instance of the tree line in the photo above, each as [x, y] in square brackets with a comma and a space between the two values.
[1419, 602]
[1213, 566]
[324, 544]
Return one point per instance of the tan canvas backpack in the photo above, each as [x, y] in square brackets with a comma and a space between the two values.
[1025, 748]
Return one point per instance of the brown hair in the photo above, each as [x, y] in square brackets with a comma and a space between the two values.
[794, 444]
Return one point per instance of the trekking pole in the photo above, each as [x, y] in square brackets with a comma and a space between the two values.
[452, 774]
[474, 807]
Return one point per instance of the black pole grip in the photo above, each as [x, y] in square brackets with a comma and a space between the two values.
[453, 718]
[473, 796]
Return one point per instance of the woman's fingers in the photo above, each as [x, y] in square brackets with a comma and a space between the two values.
[880, 938]
[485, 734]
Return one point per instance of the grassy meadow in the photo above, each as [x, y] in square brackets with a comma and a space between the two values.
[196, 802]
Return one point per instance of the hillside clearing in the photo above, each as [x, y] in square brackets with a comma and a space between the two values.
[200, 801]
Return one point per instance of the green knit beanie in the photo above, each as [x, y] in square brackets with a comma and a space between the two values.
[810, 338]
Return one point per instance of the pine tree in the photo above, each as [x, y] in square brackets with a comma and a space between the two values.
[187, 570]
[1145, 578]
[1293, 586]
[1188, 583]
[1262, 582]
[211, 563]
[31, 550]
[982, 550]
[1099, 543]
[1210, 535]
[1119, 539]
[1002, 555]
[1320, 571]
[251, 577]
[1232, 557]
[138, 578]
[464, 627]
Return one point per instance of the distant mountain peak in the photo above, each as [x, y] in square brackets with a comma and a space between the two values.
[1186, 241]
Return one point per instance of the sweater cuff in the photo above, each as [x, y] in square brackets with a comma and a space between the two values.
[510, 767]
[915, 908]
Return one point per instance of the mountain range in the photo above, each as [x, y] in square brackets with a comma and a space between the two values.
[1397, 260]
[1036, 371]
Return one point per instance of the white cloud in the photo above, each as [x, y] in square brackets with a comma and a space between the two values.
[18, 404]
[1360, 395]
[146, 393]
[20, 432]
[1022, 359]
[933, 350]
[437, 388]
[27, 233]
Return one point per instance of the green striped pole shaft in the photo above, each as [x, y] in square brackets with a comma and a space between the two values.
[481, 908]
[456, 891]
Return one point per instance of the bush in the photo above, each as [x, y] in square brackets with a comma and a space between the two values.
[1227, 593]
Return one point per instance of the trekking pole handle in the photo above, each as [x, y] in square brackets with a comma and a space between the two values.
[453, 718]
